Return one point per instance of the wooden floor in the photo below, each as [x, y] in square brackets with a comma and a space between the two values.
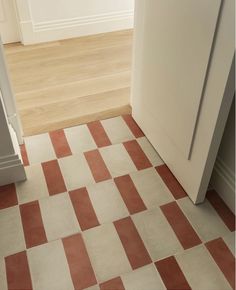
[69, 82]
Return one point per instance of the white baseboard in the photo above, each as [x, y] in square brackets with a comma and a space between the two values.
[223, 181]
[75, 27]
[11, 166]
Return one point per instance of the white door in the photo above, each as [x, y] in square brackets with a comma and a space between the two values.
[9, 30]
[183, 53]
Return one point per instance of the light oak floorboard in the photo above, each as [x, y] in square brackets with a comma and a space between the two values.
[70, 82]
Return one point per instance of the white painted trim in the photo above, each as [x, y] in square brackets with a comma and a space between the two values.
[225, 173]
[75, 27]
[223, 181]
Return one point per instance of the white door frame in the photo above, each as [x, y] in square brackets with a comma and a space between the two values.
[8, 97]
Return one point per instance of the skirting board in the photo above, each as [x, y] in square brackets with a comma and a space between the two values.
[68, 28]
[223, 181]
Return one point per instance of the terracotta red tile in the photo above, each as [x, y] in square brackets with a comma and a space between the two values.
[180, 225]
[60, 144]
[99, 134]
[223, 258]
[113, 284]
[132, 243]
[171, 274]
[130, 194]
[171, 182]
[17, 270]
[81, 270]
[137, 132]
[24, 155]
[83, 208]
[222, 209]
[32, 224]
[8, 196]
[137, 155]
[97, 165]
[53, 176]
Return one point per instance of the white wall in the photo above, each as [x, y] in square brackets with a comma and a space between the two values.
[48, 20]
[223, 177]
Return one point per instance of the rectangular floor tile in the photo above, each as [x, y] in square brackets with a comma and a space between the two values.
[11, 232]
[17, 270]
[137, 155]
[156, 233]
[106, 252]
[117, 130]
[97, 165]
[34, 187]
[99, 134]
[8, 196]
[180, 225]
[151, 188]
[54, 178]
[222, 209]
[150, 152]
[107, 201]
[171, 182]
[79, 263]
[145, 278]
[24, 155]
[137, 132]
[117, 160]
[229, 239]
[200, 269]
[3, 276]
[113, 284]
[129, 194]
[32, 224]
[132, 243]
[80, 139]
[60, 143]
[75, 171]
[171, 274]
[49, 268]
[83, 208]
[39, 148]
[58, 216]
[204, 219]
[223, 258]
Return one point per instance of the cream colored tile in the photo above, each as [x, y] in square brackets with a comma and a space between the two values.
[117, 130]
[151, 187]
[156, 233]
[150, 152]
[95, 287]
[3, 277]
[200, 269]
[145, 278]
[39, 148]
[80, 139]
[11, 232]
[58, 216]
[107, 201]
[230, 241]
[117, 160]
[34, 187]
[75, 171]
[204, 219]
[106, 252]
[49, 268]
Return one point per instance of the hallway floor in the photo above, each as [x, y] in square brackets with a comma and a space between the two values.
[69, 82]
[100, 210]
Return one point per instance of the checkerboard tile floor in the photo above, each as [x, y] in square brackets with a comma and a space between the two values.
[100, 210]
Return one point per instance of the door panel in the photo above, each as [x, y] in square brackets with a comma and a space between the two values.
[179, 79]
[9, 30]
[182, 36]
